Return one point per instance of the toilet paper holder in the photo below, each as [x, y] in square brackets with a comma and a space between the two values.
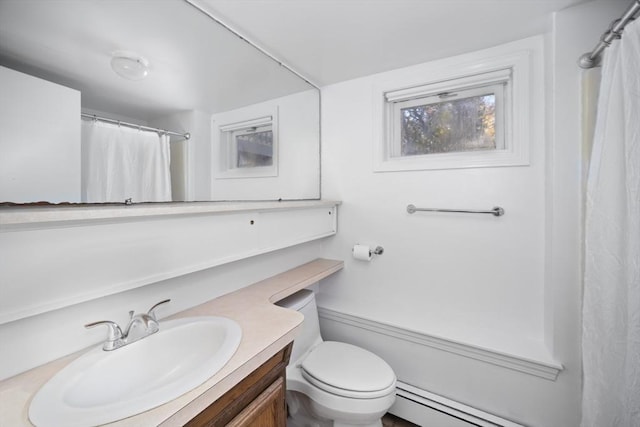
[378, 250]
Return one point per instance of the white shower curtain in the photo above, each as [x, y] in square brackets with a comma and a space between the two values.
[611, 305]
[120, 163]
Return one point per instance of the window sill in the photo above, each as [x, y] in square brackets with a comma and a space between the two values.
[479, 159]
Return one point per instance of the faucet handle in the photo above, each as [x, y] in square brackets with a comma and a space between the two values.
[114, 334]
[152, 310]
[114, 329]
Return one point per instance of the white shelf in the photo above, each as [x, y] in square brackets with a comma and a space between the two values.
[56, 257]
[41, 216]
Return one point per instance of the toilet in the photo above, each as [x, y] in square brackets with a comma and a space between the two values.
[332, 383]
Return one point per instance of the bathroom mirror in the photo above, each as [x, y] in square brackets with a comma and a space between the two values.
[202, 79]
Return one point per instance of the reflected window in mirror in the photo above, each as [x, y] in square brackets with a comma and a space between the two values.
[248, 148]
[253, 147]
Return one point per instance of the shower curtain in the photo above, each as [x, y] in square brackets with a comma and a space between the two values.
[120, 163]
[611, 303]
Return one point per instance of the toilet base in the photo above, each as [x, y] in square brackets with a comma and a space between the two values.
[375, 424]
[304, 412]
[301, 421]
[315, 423]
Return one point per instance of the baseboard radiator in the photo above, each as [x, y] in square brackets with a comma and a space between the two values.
[430, 410]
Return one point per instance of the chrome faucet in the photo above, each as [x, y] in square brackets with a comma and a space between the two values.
[140, 326]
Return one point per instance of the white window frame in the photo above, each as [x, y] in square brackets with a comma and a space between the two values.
[225, 148]
[513, 71]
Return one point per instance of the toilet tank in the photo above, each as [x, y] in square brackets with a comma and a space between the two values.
[304, 301]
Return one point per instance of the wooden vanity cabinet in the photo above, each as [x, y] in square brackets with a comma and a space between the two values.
[257, 401]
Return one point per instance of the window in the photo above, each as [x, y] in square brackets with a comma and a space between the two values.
[464, 112]
[252, 147]
[464, 120]
[248, 148]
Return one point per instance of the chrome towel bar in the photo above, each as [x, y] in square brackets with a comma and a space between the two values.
[496, 211]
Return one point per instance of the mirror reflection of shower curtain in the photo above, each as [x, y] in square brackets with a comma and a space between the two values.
[120, 163]
[611, 301]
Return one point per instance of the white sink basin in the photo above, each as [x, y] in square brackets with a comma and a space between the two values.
[104, 386]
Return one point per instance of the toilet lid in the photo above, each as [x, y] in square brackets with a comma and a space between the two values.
[347, 370]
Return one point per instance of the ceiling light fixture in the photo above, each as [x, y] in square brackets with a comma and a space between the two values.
[130, 65]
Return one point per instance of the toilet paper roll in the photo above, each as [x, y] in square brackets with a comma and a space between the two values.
[362, 252]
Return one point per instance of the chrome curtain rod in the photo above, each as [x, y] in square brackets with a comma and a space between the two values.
[590, 59]
[497, 211]
[133, 125]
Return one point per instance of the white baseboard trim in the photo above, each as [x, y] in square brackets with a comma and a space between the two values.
[540, 369]
[419, 406]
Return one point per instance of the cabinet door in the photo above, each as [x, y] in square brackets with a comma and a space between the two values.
[267, 410]
[257, 401]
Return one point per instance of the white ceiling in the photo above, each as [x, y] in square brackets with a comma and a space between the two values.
[335, 40]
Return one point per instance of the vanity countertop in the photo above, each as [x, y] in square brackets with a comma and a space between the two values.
[266, 328]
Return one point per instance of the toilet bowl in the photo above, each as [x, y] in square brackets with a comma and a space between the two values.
[332, 383]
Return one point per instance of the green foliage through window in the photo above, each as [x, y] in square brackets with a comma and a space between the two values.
[464, 124]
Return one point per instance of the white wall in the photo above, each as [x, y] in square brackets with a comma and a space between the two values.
[453, 275]
[497, 282]
[39, 140]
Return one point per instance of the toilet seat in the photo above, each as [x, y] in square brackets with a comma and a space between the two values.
[349, 371]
